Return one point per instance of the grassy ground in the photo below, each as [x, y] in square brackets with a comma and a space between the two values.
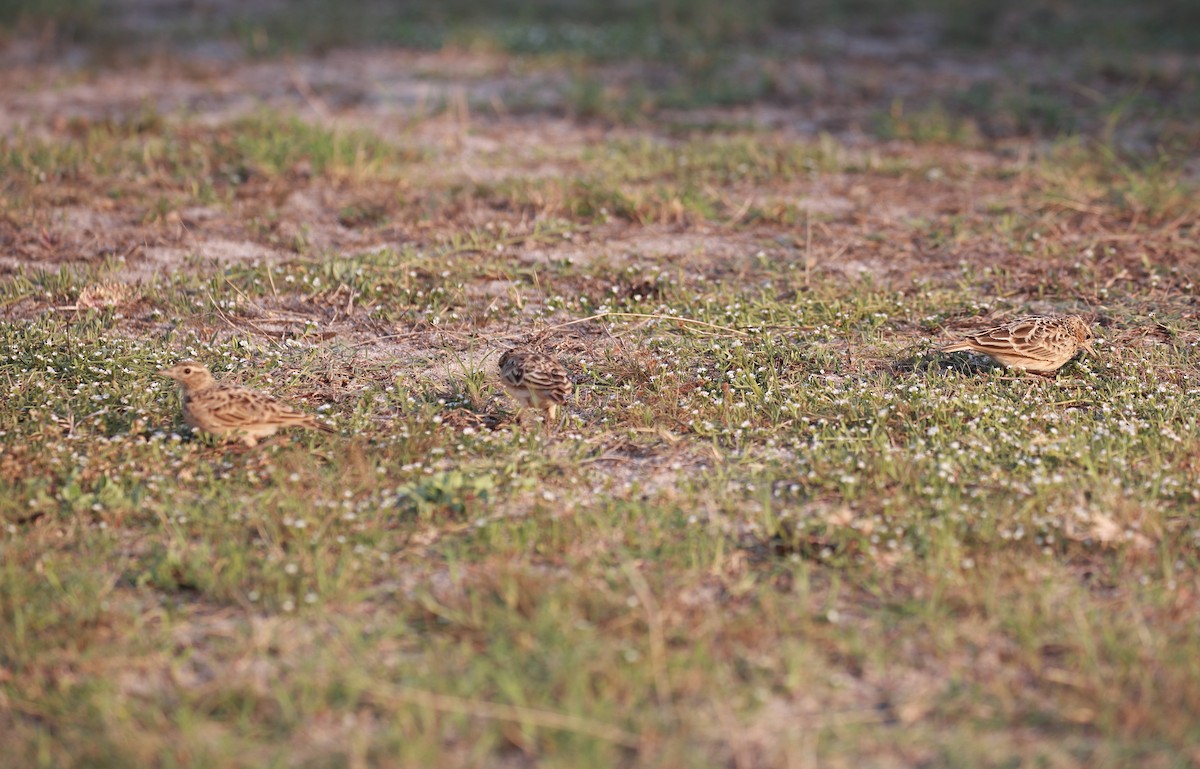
[776, 528]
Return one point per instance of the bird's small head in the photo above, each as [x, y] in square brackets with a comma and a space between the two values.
[511, 361]
[192, 376]
[1082, 331]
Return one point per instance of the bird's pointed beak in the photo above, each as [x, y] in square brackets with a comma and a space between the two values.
[1090, 350]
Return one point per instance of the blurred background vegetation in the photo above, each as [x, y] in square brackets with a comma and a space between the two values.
[1125, 73]
[606, 29]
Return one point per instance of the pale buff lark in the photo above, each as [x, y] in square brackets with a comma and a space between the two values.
[1039, 344]
[535, 380]
[227, 410]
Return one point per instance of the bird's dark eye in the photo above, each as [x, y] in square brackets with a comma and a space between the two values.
[187, 370]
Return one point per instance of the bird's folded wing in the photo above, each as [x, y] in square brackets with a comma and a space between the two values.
[231, 409]
[1020, 339]
[1036, 342]
[237, 408]
[553, 384]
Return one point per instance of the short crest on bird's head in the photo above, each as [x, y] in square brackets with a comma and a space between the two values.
[1082, 331]
[190, 374]
[512, 359]
[1080, 328]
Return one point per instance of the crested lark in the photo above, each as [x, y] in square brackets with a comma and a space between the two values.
[1039, 344]
[534, 379]
[231, 410]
